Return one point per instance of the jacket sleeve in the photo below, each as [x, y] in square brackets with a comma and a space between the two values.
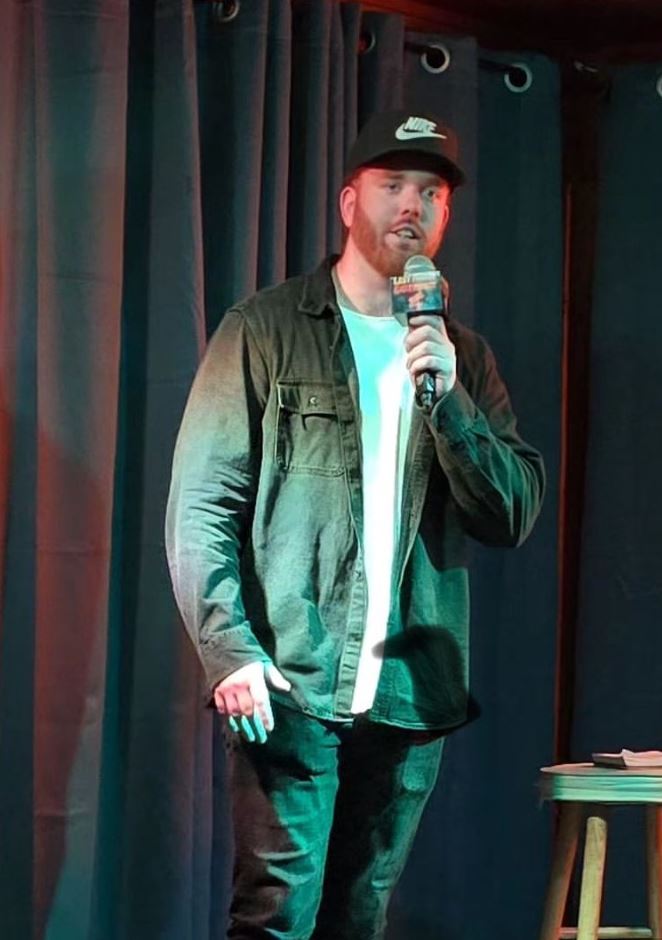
[496, 479]
[214, 479]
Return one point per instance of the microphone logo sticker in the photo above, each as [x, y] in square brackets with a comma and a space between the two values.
[416, 127]
[417, 291]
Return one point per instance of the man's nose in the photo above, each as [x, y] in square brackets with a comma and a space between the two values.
[412, 202]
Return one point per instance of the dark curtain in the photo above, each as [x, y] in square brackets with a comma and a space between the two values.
[105, 757]
[480, 863]
[618, 692]
[157, 164]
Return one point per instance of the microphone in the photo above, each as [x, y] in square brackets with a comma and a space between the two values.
[418, 291]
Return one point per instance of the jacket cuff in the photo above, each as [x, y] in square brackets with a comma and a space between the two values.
[225, 651]
[454, 413]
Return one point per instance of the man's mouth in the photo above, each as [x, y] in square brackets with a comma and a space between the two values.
[407, 233]
[406, 239]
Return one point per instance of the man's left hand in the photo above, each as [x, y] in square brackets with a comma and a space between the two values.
[430, 350]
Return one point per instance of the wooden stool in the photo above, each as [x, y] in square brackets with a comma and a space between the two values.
[584, 790]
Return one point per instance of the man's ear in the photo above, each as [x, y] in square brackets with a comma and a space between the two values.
[347, 204]
[447, 215]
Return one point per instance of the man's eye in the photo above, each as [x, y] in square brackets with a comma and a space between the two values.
[431, 193]
[392, 186]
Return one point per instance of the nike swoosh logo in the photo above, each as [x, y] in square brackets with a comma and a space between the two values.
[403, 134]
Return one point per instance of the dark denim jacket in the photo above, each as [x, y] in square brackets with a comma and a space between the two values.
[265, 515]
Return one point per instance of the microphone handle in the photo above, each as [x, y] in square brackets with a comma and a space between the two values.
[425, 389]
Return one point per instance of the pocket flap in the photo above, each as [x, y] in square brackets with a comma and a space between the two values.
[307, 399]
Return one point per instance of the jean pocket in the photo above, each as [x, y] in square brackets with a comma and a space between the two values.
[308, 430]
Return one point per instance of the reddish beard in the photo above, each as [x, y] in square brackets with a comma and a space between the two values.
[389, 262]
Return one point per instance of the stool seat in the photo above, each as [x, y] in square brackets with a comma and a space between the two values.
[585, 792]
[586, 783]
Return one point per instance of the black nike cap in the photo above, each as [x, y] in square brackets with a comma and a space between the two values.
[389, 134]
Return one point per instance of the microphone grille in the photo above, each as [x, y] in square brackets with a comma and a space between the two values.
[418, 264]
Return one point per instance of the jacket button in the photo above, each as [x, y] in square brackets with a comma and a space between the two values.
[313, 400]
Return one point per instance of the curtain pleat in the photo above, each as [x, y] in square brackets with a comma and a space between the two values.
[18, 460]
[232, 67]
[519, 265]
[381, 64]
[351, 31]
[335, 140]
[272, 234]
[313, 27]
[166, 784]
[80, 116]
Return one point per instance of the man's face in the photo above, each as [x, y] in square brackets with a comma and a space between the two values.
[392, 214]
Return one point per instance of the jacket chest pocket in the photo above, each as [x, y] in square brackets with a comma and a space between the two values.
[308, 431]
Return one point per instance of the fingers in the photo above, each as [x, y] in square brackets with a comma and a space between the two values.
[243, 696]
[426, 328]
[264, 713]
[246, 726]
[429, 349]
[245, 703]
[235, 695]
[431, 364]
[243, 713]
[252, 729]
[230, 704]
[427, 345]
[276, 679]
[219, 701]
[259, 729]
[430, 356]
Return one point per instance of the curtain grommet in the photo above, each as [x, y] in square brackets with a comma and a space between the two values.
[436, 58]
[225, 10]
[518, 78]
[367, 41]
[658, 86]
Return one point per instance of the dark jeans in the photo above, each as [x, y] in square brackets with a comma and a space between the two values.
[324, 818]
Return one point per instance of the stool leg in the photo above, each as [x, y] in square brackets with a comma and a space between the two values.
[654, 868]
[565, 850]
[590, 901]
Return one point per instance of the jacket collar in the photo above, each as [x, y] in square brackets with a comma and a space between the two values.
[318, 295]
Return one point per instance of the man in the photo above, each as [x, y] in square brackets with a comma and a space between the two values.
[316, 536]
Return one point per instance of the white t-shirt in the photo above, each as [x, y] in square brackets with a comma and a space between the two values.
[385, 399]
